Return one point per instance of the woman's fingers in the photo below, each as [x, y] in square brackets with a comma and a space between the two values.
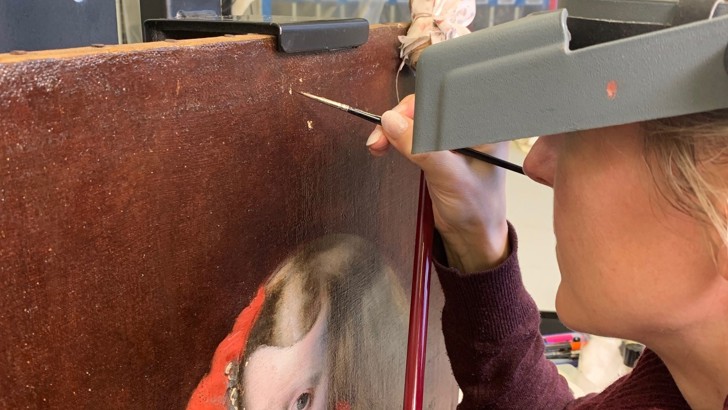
[398, 130]
[406, 107]
[377, 141]
[468, 196]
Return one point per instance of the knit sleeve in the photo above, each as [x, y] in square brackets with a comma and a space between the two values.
[491, 329]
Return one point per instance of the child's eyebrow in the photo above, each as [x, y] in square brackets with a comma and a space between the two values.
[314, 379]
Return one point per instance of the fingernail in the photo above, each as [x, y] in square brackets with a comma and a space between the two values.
[374, 137]
[394, 123]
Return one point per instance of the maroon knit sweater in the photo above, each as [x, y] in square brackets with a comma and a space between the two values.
[491, 328]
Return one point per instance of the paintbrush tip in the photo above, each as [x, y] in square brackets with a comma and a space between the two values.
[325, 101]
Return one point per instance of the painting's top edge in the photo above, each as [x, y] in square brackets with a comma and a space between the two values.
[56, 54]
[59, 54]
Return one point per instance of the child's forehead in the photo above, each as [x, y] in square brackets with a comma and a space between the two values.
[275, 375]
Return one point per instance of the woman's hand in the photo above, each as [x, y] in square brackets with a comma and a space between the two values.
[468, 196]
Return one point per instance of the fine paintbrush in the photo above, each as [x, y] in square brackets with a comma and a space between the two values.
[469, 152]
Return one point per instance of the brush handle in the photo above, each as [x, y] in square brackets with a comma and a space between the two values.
[468, 152]
[365, 115]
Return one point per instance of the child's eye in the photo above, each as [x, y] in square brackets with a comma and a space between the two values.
[303, 401]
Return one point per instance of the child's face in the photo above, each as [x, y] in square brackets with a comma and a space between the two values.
[291, 378]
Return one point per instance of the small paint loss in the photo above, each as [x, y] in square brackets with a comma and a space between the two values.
[300, 80]
[612, 89]
[290, 90]
[310, 124]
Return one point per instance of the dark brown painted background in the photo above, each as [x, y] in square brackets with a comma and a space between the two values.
[145, 194]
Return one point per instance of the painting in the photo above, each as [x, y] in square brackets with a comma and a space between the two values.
[327, 330]
[180, 228]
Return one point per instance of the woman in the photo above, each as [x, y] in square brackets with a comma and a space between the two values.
[642, 232]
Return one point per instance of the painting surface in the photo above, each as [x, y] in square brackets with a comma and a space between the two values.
[326, 331]
[150, 194]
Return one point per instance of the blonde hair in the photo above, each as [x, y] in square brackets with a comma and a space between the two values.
[367, 317]
[687, 156]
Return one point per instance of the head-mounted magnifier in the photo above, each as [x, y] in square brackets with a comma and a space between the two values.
[604, 62]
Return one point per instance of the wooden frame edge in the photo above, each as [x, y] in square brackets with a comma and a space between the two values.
[66, 53]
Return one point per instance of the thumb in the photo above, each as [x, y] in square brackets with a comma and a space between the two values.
[398, 130]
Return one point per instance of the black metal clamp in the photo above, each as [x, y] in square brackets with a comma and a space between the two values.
[293, 35]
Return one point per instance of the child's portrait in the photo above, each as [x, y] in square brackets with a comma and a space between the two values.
[327, 330]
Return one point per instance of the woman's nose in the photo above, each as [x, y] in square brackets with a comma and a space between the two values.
[540, 163]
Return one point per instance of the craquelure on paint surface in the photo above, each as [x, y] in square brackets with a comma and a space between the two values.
[146, 193]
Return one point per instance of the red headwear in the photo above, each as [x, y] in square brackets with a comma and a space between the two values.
[210, 392]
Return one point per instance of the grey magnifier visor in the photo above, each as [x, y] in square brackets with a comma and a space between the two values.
[521, 79]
